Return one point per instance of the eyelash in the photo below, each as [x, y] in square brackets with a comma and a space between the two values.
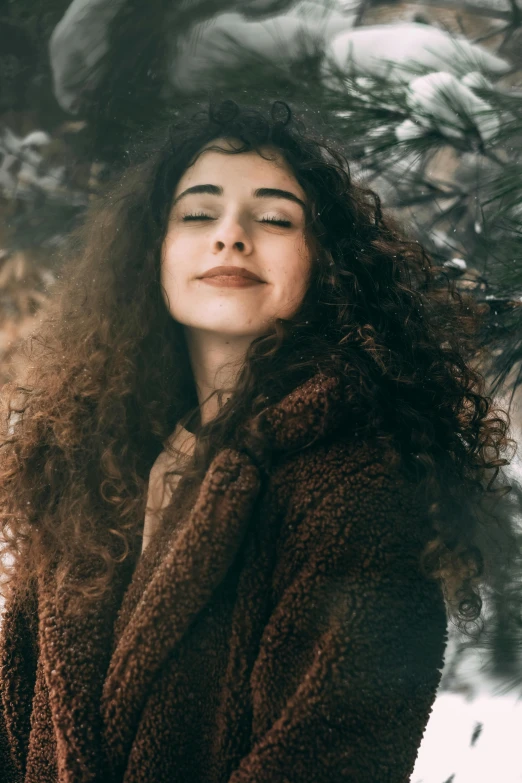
[283, 223]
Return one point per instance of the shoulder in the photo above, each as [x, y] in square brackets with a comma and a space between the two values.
[355, 522]
[353, 469]
[343, 452]
[341, 496]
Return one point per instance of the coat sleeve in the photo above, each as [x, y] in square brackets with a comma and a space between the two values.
[352, 655]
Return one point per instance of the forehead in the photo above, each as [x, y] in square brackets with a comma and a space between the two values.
[222, 166]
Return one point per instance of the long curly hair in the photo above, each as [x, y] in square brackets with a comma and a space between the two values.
[110, 375]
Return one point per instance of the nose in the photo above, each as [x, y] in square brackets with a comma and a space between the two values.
[230, 234]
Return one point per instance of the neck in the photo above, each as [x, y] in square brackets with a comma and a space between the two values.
[216, 361]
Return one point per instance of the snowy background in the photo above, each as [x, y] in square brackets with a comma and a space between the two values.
[473, 732]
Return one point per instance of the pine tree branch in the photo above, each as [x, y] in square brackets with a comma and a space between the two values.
[492, 34]
[362, 7]
[471, 8]
[516, 21]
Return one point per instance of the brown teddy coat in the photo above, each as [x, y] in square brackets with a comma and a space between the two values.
[281, 633]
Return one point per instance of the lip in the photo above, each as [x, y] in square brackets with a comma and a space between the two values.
[230, 281]
[232, 271]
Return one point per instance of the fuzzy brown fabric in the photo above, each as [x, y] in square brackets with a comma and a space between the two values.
[281, 633]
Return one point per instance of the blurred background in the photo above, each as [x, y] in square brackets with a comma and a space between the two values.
[426, 98]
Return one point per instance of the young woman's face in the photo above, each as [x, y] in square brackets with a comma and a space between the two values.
[229, 227]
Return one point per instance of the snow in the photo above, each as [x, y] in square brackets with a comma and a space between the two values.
[219, 41]
[456, 262]
[442, 100]
[391, 50]
[76, 45]
[474, 729]
[446, 747]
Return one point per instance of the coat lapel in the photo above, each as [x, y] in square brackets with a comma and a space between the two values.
[181, 586]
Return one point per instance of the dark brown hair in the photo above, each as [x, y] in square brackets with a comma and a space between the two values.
[111, 378]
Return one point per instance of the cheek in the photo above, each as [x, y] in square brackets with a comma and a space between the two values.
[170, 270]
[294, 287]
[300, 272]
[172, 255]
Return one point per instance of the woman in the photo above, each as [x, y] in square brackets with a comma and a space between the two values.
[281, 612]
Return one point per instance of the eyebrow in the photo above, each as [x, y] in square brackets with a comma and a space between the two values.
[217, 190]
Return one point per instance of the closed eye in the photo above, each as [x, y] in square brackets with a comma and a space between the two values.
[196, 217]
[284, 223]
